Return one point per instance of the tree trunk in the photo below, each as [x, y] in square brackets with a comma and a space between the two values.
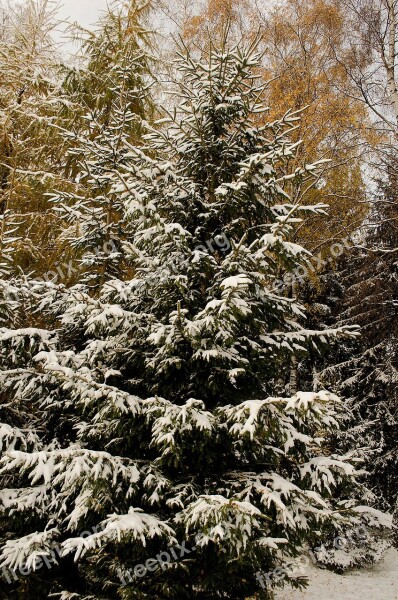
[390, 63]
[293, 384]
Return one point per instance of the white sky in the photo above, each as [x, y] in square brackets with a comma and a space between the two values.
[84, 12]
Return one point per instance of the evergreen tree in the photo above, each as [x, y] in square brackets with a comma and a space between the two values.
[367, 373]
[155, 416]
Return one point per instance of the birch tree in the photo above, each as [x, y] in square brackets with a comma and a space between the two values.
[370, 57]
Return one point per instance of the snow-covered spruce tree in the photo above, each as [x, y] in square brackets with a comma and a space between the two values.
[325, 299]
[157, 418]
[367, 372]
[109, 101]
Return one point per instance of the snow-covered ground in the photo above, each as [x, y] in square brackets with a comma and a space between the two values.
[378, 583]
